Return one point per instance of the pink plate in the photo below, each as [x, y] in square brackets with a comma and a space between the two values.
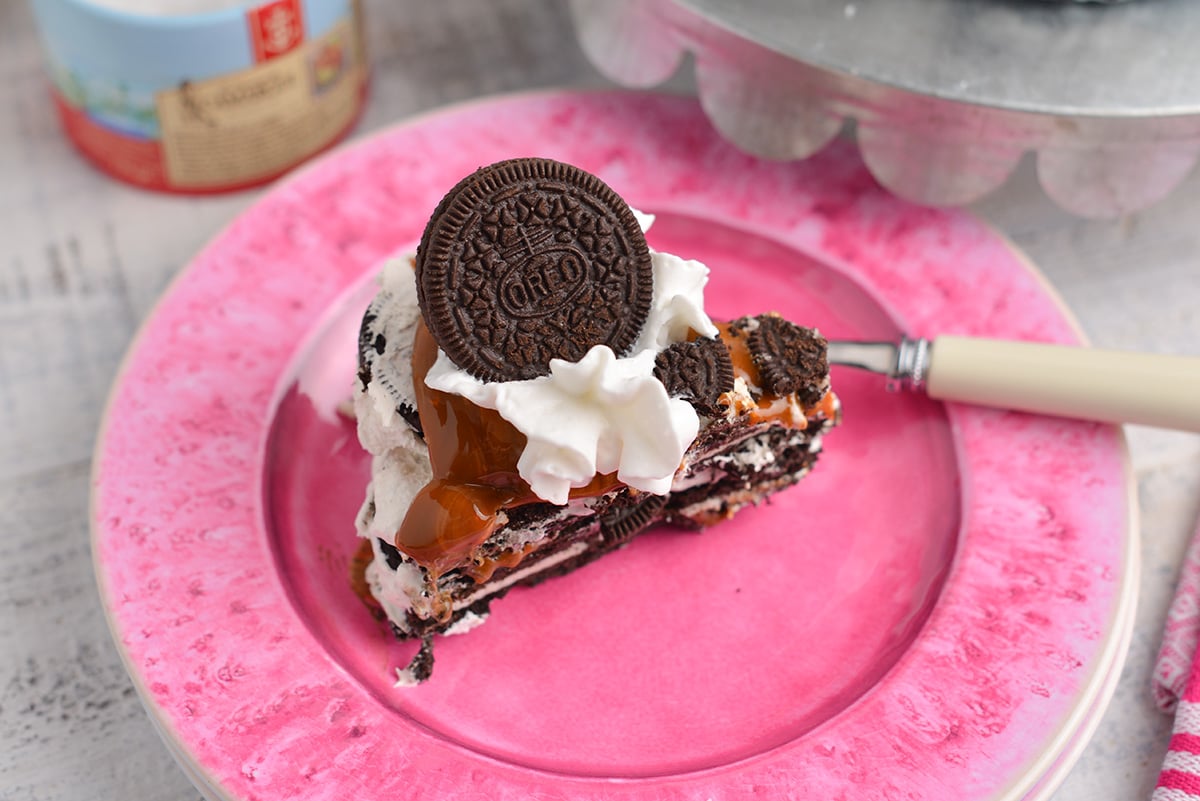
[935, 613]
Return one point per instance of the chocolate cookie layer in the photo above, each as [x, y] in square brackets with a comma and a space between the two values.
[530, 260]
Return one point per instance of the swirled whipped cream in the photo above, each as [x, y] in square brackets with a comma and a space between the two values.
[603, 413]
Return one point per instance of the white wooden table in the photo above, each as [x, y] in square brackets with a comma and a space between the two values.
[82, 260]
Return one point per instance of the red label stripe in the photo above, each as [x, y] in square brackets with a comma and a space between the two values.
[276, 28]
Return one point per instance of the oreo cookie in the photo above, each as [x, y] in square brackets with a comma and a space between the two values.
[790, 358]
[699, 371]
[530, 260]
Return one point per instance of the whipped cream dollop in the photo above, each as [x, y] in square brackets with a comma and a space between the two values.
[604, 413]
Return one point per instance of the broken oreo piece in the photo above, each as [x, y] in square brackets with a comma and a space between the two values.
[630, 515]
[530, 260]
[699, 371]
[790, 359]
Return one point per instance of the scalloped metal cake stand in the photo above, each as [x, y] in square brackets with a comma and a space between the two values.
[946, 96]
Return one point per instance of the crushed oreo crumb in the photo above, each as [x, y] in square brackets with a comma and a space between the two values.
[391, 554]
[421, 666]
[364, 342]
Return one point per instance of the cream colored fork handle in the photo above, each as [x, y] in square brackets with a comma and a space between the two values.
[1105, 385]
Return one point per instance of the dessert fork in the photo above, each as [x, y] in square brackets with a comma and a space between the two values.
[1067, 381]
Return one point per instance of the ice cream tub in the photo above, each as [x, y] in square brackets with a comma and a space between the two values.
[203, 95]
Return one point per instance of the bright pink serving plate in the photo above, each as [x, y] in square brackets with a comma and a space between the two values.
[937, 612]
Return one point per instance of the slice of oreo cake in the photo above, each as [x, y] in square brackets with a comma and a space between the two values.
[537, 387]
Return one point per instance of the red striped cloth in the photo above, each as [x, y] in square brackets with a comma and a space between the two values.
[1177, 684]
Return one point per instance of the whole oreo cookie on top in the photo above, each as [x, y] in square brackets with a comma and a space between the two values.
[530, 260]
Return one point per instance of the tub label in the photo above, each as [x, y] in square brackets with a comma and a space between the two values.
[204, 129]
[261, 120]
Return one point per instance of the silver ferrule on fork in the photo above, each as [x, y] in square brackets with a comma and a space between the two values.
[905, 363]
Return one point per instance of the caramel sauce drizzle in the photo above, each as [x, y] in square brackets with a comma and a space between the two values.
[482, 569]
[358, 573]
[473, 452]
